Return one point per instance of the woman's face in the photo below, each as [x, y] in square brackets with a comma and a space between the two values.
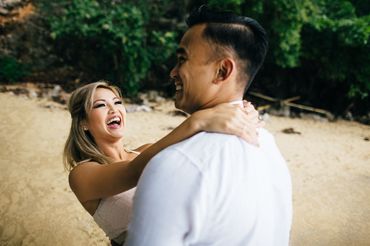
[107, 118]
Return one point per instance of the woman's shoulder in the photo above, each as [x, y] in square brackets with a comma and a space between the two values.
[141, 148]
[80, 169]
[80, 177]
[83, 164]
[83, 161]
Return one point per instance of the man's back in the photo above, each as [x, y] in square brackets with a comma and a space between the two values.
[214, 189]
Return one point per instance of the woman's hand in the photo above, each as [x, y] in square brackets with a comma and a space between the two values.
[230, 119]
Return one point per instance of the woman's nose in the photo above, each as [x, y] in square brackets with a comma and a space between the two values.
[112, 109]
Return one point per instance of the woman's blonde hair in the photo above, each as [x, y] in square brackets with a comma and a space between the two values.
[80, 144]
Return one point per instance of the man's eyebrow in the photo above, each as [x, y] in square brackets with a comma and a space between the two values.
[181, 51]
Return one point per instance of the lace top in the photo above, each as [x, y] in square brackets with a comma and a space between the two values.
[113, 213]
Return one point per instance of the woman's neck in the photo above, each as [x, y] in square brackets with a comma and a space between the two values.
[116, 151]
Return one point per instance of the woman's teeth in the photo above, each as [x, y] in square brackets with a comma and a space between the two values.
[114, 119]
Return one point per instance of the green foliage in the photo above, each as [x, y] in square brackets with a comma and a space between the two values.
[11, 70]
[232, 5]
[338, 40]
[114, 35]
[316, 47]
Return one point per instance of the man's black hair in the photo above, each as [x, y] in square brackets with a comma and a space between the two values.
[249, 43]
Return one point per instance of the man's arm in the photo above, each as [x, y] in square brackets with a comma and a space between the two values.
[168, 209]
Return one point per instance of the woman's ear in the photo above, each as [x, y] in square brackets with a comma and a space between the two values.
[225, 67]
[83, 125]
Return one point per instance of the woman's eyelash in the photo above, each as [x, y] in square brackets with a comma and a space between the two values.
[99, 105]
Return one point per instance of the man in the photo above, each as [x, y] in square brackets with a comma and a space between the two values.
[215, 189]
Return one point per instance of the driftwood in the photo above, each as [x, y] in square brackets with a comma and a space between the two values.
[289, 103]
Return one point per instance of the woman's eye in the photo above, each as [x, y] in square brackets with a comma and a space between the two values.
[99, 105]
[118, 102]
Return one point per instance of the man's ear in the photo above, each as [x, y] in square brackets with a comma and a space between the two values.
[225, 67]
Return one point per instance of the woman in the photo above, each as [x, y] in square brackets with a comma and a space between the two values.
[103, 172]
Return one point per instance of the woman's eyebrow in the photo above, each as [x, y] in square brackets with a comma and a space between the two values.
[97, 100]
[114, 98]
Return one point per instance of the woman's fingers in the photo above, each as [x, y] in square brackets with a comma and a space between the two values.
[252, 122]
[233, 119]
[250, 134]
[252, 116]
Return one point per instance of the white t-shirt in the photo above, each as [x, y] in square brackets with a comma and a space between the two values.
[214, 189]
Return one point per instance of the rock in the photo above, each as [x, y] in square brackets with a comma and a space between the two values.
[20, 91]
[32, 94]
[154, 96]
[348, 116]
[130, 108]
[56, 91]
[365, 119]
[3, 89]
[12, 4]
[265, 117]
[25, 37]
[178, 113]
[57, 94]
[315, 117]
[3, 11]
[151, 96]
[290, 131]
[284, 111]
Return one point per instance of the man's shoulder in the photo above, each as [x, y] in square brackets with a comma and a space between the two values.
[204, 141]
[208, 140]
[197, 148]
[204, 146]
[265, 135]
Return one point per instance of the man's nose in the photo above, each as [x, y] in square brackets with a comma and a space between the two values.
[174, 72]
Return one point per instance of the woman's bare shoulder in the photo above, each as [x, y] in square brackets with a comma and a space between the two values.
[80, 173]
[143, 147]
[83, 165]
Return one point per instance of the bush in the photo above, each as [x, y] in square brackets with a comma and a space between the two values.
[111, 39]
[319, 50]
[11, 70]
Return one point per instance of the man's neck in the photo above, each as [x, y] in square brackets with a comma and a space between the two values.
[237, 102]
[236, 99]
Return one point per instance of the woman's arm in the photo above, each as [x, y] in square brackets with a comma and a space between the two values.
[92, 181]
[224, 118]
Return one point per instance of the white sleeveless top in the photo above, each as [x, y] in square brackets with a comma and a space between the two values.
[114, 213]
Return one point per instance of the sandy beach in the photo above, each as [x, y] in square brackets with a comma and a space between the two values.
[329, 164]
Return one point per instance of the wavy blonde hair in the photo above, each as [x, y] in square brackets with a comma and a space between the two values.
[80, 144]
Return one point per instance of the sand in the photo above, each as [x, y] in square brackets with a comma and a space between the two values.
[329, 164]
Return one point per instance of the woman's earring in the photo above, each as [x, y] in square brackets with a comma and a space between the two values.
[85, 128]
